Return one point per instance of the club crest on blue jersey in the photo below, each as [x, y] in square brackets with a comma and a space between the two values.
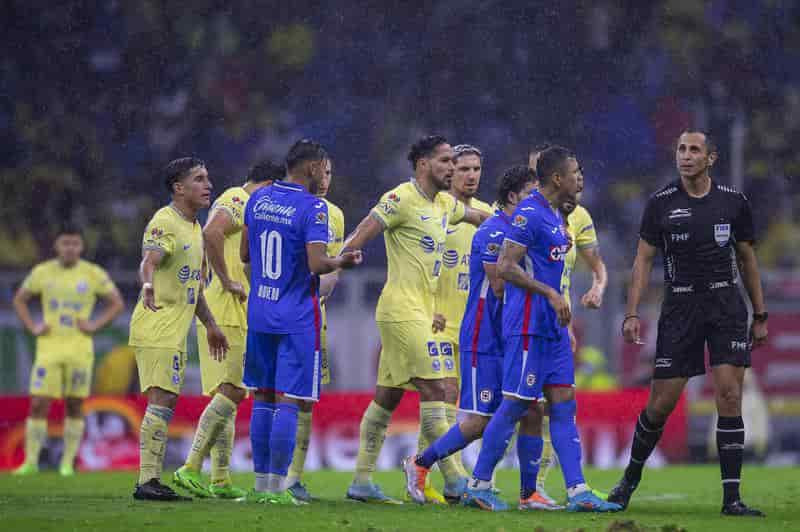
[520, 221]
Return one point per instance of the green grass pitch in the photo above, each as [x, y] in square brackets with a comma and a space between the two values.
[670, 499]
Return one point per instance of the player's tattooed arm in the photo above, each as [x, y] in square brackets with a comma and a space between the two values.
[640, 277]
[151, 258]
[475, 216]
[509, 269]
[320, 263]
[217, 343]
[594, 297]
[495, 281]
[218, 226]
[369, 228]
[20, 302]
[751, 277]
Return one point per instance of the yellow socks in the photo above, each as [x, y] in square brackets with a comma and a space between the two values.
[371, 436]
[547, 453]
[214, 417]
[73, 434]
[433, 424]
[302, 440]
[221, 452]
[35, 435]
[153, 441]
[450, 412]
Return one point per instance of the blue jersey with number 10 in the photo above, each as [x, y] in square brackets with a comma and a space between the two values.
[281, 219]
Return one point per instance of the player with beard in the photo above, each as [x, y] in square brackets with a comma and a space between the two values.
[414, 218]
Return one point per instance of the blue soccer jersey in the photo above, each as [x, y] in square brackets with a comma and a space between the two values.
[541, 230]
[482, 323]
[284, 297]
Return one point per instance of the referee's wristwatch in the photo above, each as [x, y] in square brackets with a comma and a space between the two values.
[761, 316]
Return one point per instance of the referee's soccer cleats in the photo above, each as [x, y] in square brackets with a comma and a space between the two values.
[484, 499]
[622, 492]
[369, 493]
[154, 490]
[589, 502]
[740, 509]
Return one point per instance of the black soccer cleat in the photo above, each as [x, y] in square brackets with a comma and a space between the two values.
[622, 492]
[154, 490]
[740, 509]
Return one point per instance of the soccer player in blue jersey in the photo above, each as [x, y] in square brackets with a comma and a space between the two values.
[284, 237]
[537, 357]
[482, 354]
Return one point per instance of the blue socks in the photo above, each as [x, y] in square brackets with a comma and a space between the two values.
[282, 439]
[566, 442]
[529, 452]
[260, 429]
[496, 437]
[452, 442]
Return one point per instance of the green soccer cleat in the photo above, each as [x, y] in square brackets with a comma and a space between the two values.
[25, 470]
[254, 497]
[66, 470]
[192, 481]
[226, 491]
[599, 494]
[283, 498]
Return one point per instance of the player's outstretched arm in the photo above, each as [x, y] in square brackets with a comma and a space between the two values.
[640, 277]
[509, 269]
[219, 225]
[320, 263]
[475, 216]
[20, 302]
[594, 297]
[150, 261]
[751, 278]
[112, 307]
[369, 228]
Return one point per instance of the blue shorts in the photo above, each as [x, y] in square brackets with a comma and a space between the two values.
[287, 363]
[534, 362]
[481, 383]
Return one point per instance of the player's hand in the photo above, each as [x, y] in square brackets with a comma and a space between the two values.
[87, 326]
[758, 333]
[217, 343]
[40, 329]
[561, 307]
[348, 259]
[631, 330]
[593, 298]
[237, 289]
[149, 299]
[439, 322]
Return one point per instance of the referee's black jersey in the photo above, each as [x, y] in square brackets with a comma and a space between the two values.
[696, 236]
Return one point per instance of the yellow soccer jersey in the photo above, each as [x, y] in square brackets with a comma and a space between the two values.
[67, 295]
[226, 308]
[581, 229]
[453, 289]
[335, 229]
[176, 281]
[415, 239]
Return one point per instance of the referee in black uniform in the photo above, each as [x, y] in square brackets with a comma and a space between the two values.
[705, 233]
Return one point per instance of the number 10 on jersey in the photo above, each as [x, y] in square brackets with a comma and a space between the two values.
[271, 248]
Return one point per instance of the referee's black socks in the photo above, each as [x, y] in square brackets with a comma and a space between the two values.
[730, 446]
[645, 438]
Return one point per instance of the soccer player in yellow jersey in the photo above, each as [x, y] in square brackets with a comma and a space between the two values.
[327, 284]
[171, 297]
[227, 286]
[414, 217]
[68, 287]
[584, 242]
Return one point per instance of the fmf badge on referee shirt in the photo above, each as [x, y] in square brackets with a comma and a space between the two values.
[722, 233]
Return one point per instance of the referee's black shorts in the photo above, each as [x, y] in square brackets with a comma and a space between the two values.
[690, 319]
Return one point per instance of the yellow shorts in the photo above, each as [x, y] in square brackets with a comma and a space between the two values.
[60, 376]
[160, 367]
[408, 351]
[448, 349]
[231, 370]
